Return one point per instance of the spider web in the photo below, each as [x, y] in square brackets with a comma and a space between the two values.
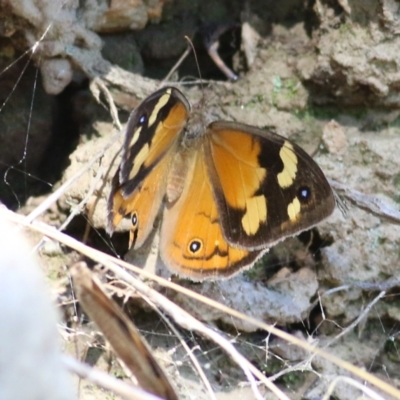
[27, 124]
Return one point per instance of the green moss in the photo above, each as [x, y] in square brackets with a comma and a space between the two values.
[255, 101]
[262, 268]
[53, 275]
[286, 88]
[272, 366]
[325, 113]
[293, 379]
[392, 350]
[396, 181]
[346, 28]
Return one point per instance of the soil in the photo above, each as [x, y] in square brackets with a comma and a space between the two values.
[323, 73]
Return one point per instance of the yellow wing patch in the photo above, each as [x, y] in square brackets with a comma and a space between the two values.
[256, 212]
[162, 101]
[240, 178]
[165, 134]
[294, 209]
[139, 160]
[289, 159]
[135, 136]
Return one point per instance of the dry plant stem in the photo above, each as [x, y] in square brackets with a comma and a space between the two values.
[357, 321]
[115, 266]
[120, 332]
[306, 364]
[385, 286]
[95, 66]
[368, 202]
[177, 64]
[61, 190]
[185, 320]
[213, 53]
[194, 81]
[325, 294]
[77, 209]
[106, 381]
[91, 205]
[98, 85]
[366, 390]
[181, 317]
[187, 349]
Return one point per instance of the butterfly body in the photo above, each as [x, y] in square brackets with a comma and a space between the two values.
[229, 191]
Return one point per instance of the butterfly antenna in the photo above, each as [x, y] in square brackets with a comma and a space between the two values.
[197, 63]
[177, 65]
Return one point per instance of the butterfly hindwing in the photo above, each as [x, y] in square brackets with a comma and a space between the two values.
[143, 204]
[192, 243]
[266, 187]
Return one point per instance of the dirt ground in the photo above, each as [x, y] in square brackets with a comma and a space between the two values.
[325, 74]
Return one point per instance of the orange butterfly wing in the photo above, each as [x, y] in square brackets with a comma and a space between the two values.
[192, 242]
[143, 204]
[266, 187]
[139, 185]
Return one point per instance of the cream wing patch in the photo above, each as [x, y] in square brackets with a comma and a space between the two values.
[135, 136]
[256, 213]
[293, 209]
[289, 160]
[139, 160]
[160, 104]
[144, 151]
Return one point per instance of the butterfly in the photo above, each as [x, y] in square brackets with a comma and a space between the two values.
[228, 191]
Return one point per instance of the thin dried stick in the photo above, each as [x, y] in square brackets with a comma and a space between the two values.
[63, 188]
[177, 64]
[180, 316]
[120, 332]
[97, 85]
[106, 381]
[365, 389]
[189, 351]
[368, 202]
[117, 266]
[356, 321]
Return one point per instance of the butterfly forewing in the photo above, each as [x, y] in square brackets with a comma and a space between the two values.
[152, 130]
[266, 187]
[151, 138]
